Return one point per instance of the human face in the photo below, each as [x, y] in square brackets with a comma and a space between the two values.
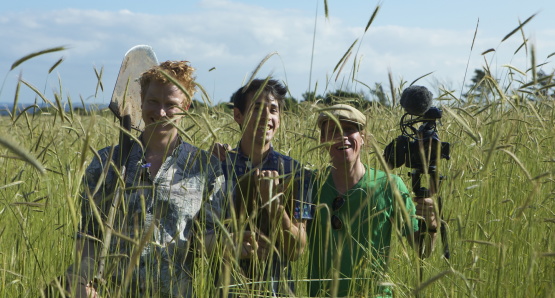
[160, 103]
[345, 142]
[260, 121]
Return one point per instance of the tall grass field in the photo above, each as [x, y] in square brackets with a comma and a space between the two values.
[498, 195]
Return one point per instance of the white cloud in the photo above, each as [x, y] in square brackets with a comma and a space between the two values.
[234, 37]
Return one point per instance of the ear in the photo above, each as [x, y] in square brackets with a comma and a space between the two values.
[238, 116]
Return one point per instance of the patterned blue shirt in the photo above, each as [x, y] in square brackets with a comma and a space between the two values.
[169, 202]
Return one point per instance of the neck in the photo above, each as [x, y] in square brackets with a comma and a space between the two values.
[346, 175]
[156, 142]
[254, 151]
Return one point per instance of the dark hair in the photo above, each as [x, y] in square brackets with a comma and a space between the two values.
[266, 86]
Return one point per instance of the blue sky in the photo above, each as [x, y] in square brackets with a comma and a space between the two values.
[410, 38]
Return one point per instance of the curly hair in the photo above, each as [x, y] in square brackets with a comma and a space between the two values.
[181, 71]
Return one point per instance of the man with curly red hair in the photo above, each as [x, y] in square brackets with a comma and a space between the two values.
[166, 180]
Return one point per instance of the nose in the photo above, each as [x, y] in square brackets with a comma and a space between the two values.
[163, 112]
[339, 137]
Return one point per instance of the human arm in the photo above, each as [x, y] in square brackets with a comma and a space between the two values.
[294, 230]
[243, 244]
[216, 214]
[421, 232]
[80, 276]
[294, 234]
[219, 150]
[426, 235]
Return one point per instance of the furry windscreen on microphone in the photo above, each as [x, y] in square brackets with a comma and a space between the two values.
[416, 100]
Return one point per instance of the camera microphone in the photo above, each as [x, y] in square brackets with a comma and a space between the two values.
[416, 100]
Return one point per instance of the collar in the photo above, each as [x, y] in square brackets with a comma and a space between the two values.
[247, 160]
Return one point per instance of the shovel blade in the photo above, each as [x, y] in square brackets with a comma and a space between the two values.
[126, 98]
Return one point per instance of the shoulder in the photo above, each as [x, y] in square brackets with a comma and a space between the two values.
[99, 161]
[380, 179]
[288, 162]
[381, 176]
[102, 156]
[276, 154]
[105, 152]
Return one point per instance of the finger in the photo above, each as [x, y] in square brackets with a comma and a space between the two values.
[263, 252]
[275, 175]
[254, 244]
[219, 150]
[247, 235]
[247, 250]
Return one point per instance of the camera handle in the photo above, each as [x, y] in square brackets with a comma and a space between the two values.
[422, 192]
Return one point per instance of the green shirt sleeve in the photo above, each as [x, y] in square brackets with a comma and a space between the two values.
[409, 207]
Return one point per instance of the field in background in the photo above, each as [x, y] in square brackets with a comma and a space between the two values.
[499, 195]
[499, 198]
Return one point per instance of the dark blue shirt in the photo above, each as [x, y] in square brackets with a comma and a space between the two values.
[236, 165]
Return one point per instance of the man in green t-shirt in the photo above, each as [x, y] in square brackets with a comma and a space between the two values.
[358, 210]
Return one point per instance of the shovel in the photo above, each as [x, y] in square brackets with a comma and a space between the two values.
[126, 99]
[126, 106]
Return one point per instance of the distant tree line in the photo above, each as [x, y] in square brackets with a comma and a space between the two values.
[358, 99]
[481, 89]
[483, 86]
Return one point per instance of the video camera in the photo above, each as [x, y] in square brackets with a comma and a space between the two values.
[416, 145]
[419, 147]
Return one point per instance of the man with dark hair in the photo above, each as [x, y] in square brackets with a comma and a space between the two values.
[265, 211]
[273, 87]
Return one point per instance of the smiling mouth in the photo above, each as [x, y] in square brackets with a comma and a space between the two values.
[344, 147]
[265, 128]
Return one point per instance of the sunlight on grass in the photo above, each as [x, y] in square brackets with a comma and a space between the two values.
[499, 195]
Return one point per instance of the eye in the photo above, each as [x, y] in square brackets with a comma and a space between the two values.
[151, 101]
[350, 130]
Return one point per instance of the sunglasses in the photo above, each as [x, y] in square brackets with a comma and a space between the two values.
[336, 222]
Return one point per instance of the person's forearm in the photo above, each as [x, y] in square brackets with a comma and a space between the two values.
[294, 233]
[425, 242]
[86, 256]
[209, 243]
[227, 247]
[428, 226]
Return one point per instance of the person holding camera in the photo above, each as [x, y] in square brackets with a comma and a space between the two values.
[358, 209]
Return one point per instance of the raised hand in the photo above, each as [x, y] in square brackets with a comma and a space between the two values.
[425, 208]
[267, 182]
